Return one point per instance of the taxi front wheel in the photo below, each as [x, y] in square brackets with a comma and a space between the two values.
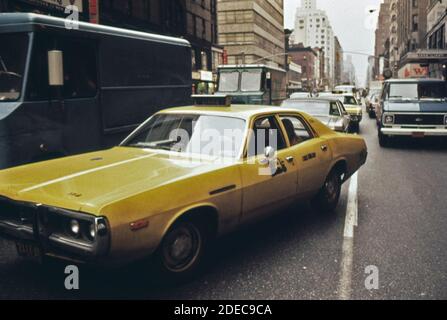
[182, 250]
[329, 195]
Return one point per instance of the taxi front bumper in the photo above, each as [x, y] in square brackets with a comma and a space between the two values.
[45, 228]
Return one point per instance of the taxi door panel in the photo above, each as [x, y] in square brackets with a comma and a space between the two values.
[264, 188]
[313, 160]
[267, 182]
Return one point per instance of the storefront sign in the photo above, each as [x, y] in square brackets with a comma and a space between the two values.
[413, 70]
[426, 55]
[57, 4]
[206, 76]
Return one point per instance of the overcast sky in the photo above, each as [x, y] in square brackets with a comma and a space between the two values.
[352, 23]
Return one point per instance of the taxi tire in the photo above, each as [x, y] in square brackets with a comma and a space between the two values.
[170, 277]
[321, 202]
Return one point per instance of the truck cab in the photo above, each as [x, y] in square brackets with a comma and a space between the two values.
[253, 84]
[412, 107]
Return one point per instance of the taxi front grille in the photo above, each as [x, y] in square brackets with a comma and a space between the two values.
[16, 213]
[419, 119]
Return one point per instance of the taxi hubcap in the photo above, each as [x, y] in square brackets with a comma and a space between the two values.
[182, 248]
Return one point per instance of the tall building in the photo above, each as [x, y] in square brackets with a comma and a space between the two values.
[436, 38]
[412, 26]
[252, 31]
[349, 75]
[393, 38]
[383, 31]
[313, 29]
[338, 62]
[193, 20]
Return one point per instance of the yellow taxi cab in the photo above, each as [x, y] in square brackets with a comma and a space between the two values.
[352, 106]
[184, 177]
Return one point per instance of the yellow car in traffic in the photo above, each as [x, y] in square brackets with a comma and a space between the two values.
[184, 177]
[352, 105]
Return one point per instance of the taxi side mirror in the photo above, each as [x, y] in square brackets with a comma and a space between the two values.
[55, 68]
[269, 155]
[269, 152]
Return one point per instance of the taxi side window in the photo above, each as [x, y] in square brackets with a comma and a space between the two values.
[334, 111]
[267, 133]
[297, 131]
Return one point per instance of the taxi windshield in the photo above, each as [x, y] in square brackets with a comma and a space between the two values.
[13, 52]
[208, 135]
[350, 100]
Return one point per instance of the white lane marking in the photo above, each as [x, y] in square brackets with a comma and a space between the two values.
[82, 173]
[351, 221]
[352, 208]
[345, 287]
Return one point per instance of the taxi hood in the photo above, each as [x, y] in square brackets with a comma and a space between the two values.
[88, 182]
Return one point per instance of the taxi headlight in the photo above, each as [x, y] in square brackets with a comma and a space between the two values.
[74, 228]
[91, 231]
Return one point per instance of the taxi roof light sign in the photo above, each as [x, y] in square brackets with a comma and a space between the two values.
[212, 100]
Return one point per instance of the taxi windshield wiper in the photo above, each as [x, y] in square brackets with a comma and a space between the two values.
[163, 145]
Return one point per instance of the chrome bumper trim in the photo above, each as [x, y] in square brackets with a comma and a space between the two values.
[411, 131]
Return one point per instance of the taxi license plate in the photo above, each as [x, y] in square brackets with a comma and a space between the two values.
[27, 250]
[418, 135]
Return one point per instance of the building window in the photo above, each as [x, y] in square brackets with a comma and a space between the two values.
[204, 58]
[193, 59]
[415, 23]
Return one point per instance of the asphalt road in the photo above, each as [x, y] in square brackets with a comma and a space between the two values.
[402, 223]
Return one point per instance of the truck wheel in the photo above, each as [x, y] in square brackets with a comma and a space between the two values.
[181, 251]
[327, 199]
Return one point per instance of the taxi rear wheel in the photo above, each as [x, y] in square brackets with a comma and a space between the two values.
[329, 195]
[181, 252]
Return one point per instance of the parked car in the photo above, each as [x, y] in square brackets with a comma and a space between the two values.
[329, 111]
[160, 196]
[352, 106]
[412, 107]
[371, 106]
[370, 97]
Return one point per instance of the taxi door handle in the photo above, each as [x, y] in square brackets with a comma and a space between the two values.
[324, 148]
[290, 159]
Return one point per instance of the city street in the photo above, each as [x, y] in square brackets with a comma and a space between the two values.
[299, 254]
